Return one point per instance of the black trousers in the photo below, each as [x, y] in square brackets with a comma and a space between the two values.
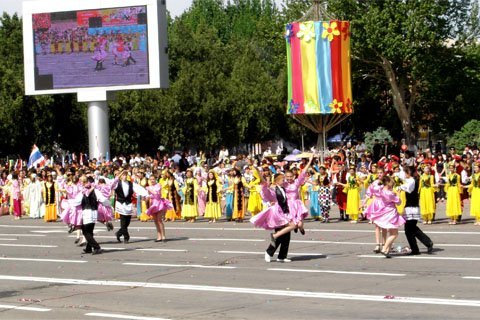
[283, 242]
[413, 232]
[124, 223]
[87, 230]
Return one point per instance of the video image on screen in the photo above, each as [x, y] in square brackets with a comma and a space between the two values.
[94, 48]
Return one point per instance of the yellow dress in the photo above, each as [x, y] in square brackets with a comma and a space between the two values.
[353, 198]
[366, 183]
[238, 198]
[453, 190]
[254, 200]
[474, 190]
[213, 210]
[189, 209]
[49, 199]
[427, 197]
[170, 187]
[143, 204]
[401, 194]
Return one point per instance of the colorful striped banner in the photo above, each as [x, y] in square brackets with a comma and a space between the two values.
[318, 59]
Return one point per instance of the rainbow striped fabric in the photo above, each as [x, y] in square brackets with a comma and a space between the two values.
[319, 76]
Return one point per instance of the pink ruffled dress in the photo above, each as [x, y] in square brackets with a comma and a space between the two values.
[297, 209]
[272, 217]
[105, 213]
[387, 216]
[375, 206]
[157, 203]
[71, 214]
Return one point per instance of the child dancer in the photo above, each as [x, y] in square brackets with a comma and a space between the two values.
[427, 195]
[158, 207]
[324, 196]
[352, 189]
[313, 194]
[387, 217]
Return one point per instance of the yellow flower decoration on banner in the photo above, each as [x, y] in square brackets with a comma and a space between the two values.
[336, 106]
[330, 30]
[311, 107]
[307, 31]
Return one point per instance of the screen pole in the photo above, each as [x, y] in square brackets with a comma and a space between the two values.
[98, 130]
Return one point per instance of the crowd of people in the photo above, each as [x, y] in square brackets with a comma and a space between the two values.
[386, 189]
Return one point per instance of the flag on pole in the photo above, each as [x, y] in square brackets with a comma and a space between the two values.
[35, 158]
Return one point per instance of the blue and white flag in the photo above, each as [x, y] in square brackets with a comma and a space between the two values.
[36, 159]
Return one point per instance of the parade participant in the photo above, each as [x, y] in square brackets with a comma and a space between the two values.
[398, 176]
[339, 180]
[201, 176]
[324, 197]
[189, 210]
[171, 187]
[313, 194]
[88, 199]
[213, 210]
[372, 207]
[33, 194]
[105, 213]
[16, 193]
[427, 195]
[49, 194]
[158, 207]
[276, 217]
[352, 189]
[142, 180]
[453, 189]
[387, 216]
[254, 199]
[474, 190]
[296, 209]
[238, 183]
[123, 205]
[228, 189]
[412, 213]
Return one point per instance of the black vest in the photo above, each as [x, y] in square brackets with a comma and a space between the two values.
[282, 201]
[124, 198]
[90, 201]
[412, 198]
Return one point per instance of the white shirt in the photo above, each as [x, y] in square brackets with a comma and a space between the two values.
[127, 208]
[89, 215]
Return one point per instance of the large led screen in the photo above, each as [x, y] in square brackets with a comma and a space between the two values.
[92, 48]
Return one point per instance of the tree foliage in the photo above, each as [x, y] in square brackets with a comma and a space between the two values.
[469, 134]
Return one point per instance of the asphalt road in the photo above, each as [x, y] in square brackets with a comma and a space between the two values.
[217, 271]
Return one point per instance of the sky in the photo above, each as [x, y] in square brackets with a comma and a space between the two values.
[176, 7]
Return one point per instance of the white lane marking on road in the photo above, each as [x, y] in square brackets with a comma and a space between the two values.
[340, 272]
[263, 252]
[177, 265]
[43, 260]
[7, 239]
[164, 250]
[113, 248]
[473, 278]
[20, 235]
[120, 316]
[27, 245]
[226, 239]
[5, 306]
[49, 231]
[239, 290]
[421, 257]
[113, 237]
[28, 227]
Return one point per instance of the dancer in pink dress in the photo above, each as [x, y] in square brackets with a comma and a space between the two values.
[373, 206]
[387, 216]
[105, 213]
[201, 177]
[271, 218]
[158, 207]
[99, 54]
[71, 215]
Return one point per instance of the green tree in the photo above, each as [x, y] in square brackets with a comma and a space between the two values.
[469, 134]
[398, 43]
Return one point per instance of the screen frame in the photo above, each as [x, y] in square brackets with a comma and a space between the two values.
[156, 39]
